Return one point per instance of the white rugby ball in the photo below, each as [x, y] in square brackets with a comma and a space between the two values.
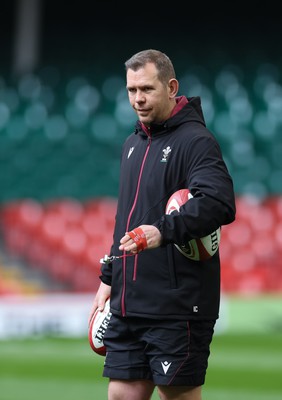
[97, 328]
[196, 249]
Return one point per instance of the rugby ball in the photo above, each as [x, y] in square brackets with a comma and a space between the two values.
[196, 249]
[97, 328]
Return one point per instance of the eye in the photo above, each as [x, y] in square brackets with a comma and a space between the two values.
[131, 90]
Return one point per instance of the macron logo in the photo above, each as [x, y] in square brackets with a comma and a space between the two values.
[166, 366]
[130, 152]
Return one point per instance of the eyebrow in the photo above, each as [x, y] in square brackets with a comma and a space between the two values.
[140, 87]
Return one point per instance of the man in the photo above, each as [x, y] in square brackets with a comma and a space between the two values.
[164, 306]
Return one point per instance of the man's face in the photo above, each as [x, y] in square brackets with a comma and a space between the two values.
[149, 97]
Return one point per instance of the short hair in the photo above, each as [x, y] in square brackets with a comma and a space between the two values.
[161, 60]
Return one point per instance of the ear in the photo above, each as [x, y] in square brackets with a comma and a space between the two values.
[173, 86]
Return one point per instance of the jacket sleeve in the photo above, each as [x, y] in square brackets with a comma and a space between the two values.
[213, 202]
[106, 272]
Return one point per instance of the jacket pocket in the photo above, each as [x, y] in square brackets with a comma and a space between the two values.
[171, 266]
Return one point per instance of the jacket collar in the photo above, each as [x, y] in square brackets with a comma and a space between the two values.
[186, 109]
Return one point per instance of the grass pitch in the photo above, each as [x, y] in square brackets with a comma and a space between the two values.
[241, 367]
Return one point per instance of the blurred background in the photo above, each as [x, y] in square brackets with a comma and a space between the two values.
[64, 115]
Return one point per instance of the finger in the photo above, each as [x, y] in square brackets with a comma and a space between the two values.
[100, 307]
[125, 238]
[139, 238]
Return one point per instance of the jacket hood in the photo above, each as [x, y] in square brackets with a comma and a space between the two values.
[192, 111]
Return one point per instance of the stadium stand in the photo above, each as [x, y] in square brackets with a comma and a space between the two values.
[67, 238]
[60, 141]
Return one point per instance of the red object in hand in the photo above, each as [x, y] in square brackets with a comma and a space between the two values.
[139, 237]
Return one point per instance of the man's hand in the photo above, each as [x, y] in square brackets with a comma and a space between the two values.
[141, 238]
[102, 294]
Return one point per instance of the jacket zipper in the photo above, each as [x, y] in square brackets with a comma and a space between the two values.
[123, 308]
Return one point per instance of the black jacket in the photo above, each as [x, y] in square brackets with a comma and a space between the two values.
[162, 283]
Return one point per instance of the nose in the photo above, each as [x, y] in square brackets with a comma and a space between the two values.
[139, 96]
